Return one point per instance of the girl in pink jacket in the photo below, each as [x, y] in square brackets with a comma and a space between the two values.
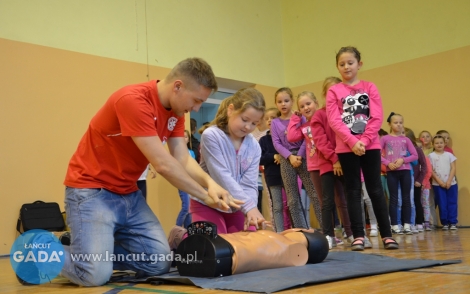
[299, 130]
[330, 171]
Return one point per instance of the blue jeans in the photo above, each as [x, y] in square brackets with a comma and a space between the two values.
[103, 223]
[184, 217]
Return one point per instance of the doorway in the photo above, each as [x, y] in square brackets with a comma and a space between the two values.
[209, 108]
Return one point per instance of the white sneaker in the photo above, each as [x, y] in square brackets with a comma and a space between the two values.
[453, 227]
[330, 242]
[407, 229]
[367, 243]
[349, 239]
[414, 229]
[373, 231]
[420, 228]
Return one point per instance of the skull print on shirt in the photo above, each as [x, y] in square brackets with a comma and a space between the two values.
[356, 111]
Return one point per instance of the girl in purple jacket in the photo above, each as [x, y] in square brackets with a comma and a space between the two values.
[292, 158]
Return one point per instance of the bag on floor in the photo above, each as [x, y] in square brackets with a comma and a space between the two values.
[40, 215]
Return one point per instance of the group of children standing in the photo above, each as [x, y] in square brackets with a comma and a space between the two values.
[335, 150]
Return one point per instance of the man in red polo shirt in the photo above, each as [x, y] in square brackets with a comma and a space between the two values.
[105, 210]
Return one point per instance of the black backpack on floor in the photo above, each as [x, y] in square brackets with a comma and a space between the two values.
[40, 215]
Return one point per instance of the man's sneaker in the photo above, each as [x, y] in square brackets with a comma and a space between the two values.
[445, 227]
[176, 236]
[414, 230]
[367, 243]
[330, 242]
[427, 227]
[453, 227]
[420, 228]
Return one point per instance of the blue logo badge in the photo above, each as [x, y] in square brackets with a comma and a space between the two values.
[37, 256]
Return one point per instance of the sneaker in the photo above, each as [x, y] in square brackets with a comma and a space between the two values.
[453, 227]
[339, 241]
[345, 236]
[176, 236]
[396, 230]
[349, 239]
[64, 237]
[367, 243]
[407, 229]
[445, 227]
[330, 242]
[414, 230]
[373, 233]
[420, 228]
[427, 227]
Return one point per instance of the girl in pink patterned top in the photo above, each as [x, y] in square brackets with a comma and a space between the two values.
[354, 111]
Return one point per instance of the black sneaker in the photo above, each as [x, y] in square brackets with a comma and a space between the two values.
[445, 227]
[65, 238]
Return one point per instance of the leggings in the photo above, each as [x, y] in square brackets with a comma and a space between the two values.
[425, 203]
[370, 209]
[278, 207]
[399, 179]
[419, 207]
[226, 222]
[369, 163]
[289, 178]
[333, 193]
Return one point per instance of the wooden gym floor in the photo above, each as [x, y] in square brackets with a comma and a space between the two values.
[437, 245]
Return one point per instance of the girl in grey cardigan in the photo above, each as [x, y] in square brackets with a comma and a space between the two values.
[231, 155]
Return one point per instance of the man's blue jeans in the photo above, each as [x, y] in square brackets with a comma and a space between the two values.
[105, 224]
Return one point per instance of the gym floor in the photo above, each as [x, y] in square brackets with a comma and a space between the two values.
[436, 245]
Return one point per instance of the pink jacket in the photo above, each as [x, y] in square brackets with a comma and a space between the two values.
[355, 113]
[325, 141]
[297, 132]
[427, 177]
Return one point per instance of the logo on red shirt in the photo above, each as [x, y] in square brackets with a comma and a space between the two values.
[172, 123]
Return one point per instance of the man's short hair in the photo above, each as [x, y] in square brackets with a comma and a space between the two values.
[197, 69]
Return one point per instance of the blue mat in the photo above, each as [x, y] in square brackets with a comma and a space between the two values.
[337, 266]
